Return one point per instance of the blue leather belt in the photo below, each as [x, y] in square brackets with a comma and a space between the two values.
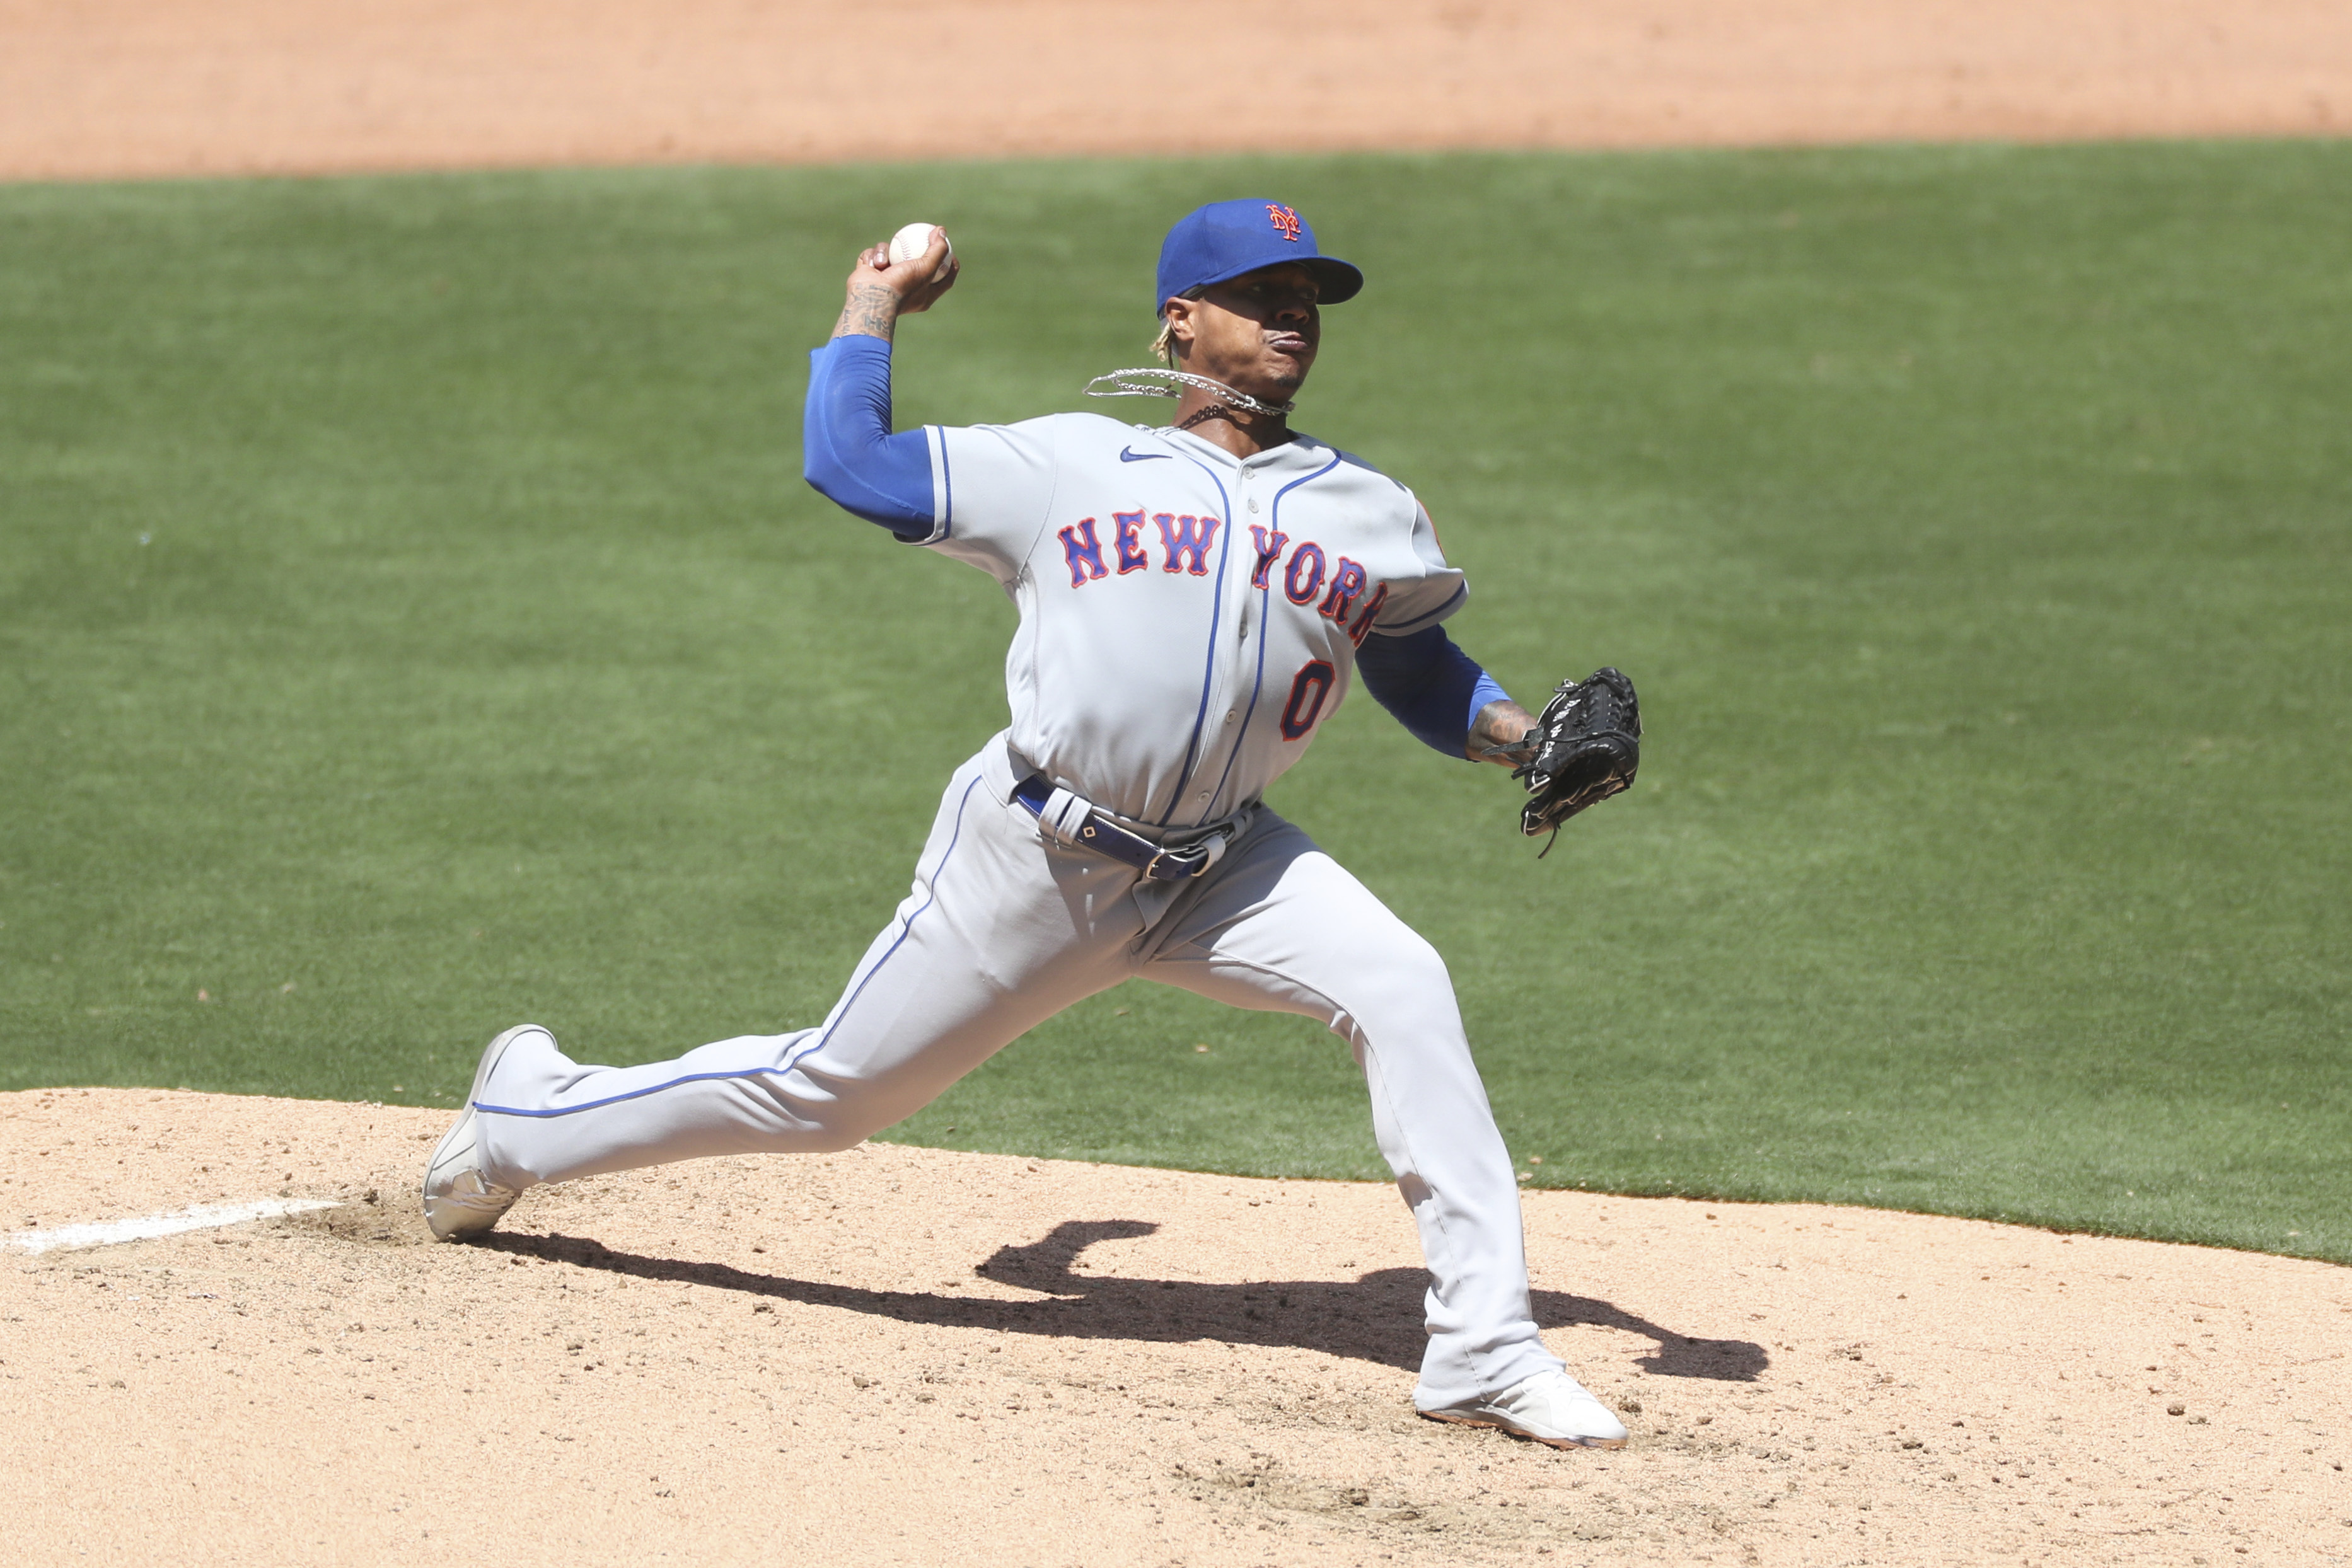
[1075, 821]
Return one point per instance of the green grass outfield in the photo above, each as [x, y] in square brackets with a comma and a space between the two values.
[411, 620]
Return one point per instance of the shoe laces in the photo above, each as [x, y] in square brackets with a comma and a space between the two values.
[471, 1189]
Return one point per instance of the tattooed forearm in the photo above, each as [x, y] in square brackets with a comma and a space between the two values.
[872, 312]
[1501, 723]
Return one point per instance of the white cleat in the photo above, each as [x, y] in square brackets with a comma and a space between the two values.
[460, 1200]
[1550, 1407]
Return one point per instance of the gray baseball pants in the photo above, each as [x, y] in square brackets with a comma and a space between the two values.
[1002, 931]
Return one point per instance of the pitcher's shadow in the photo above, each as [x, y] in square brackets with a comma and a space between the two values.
[1376, 1318]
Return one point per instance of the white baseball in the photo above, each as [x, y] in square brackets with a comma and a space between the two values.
[912, 241]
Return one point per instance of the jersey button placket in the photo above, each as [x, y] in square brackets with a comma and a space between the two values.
[1232, 662]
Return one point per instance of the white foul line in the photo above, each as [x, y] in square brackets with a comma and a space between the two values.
[196, 1216]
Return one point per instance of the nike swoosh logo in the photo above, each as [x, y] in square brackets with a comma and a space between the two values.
[1129, 454]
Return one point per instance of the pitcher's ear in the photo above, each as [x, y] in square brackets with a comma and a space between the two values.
[1175, 328]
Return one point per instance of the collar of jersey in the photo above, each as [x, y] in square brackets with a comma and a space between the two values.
[1300, 451]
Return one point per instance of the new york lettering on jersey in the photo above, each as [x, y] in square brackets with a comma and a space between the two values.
[1194, 616]
[1185, 542]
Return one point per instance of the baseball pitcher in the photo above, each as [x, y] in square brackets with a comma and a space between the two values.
[1196, 602]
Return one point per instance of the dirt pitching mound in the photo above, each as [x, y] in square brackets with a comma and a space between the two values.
[905, 1356]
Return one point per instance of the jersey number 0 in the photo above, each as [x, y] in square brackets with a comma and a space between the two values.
[1307, 690]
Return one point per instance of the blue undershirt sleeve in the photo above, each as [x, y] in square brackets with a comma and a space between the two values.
[847, 451]
[1429, 686]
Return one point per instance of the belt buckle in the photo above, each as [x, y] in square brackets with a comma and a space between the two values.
[1151, 867]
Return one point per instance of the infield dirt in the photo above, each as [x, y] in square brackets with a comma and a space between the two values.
[110, 87]
[907, 1356]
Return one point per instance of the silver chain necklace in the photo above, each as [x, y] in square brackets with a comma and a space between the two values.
[1123, 384]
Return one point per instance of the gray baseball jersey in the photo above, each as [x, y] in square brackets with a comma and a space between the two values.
[1188, 619]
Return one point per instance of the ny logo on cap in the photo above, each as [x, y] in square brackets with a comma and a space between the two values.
[1285, 220]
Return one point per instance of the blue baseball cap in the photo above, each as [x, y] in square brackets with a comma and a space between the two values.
[1225, 239]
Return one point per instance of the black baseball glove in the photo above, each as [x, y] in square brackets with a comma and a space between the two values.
[1583, 750]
